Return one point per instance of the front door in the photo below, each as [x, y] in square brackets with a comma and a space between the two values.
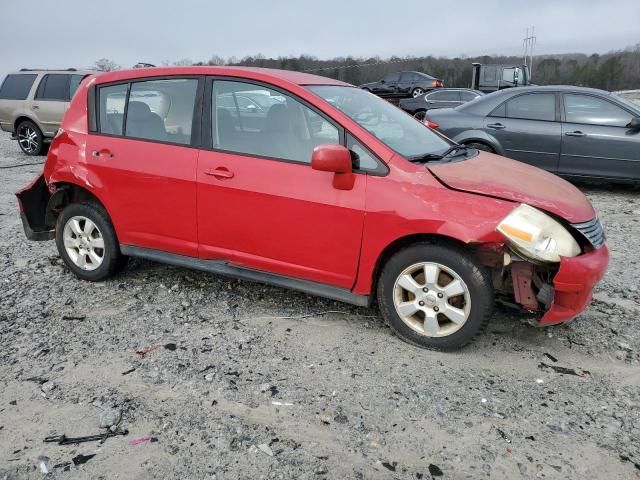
[147, 167]
[261, 206]
[596, 141]
[527, 129]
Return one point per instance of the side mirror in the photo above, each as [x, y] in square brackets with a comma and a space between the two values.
[634, 124]
[336, 159]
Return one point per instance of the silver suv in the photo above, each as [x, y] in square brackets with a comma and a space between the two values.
[33, 102]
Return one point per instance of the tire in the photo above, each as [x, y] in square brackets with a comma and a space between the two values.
[75, 218]
[416, 92]
[420, 115]
[480, 146]
[30, 138]
[476, 302]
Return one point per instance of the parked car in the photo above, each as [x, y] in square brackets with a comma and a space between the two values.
[441, 98]
[403, 84]
[335, 192]
[492, 77]
[571, 131]
[32, 103]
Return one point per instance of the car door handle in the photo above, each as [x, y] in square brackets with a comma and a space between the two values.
[496, 126]
[103, 152]
[575, 134]
[35, 107]
[220, 172]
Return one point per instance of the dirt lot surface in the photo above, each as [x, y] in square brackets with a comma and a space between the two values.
[251, 381]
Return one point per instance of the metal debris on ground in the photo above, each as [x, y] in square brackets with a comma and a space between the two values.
[64, 440]
[146, 351]
[564, 370]
[143, 440]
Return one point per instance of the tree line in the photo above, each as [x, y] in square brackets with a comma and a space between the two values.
[613, 71]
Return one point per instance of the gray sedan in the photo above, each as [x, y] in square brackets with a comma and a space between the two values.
[572, 131]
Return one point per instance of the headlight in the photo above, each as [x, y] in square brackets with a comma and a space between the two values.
[537, 236]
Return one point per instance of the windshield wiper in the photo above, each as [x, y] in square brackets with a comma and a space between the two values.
[438, 156]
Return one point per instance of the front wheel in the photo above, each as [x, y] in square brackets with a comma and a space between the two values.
[420, 115]
[434, 296]
[87, 242]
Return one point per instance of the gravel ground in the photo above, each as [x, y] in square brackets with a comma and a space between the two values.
[251, 381]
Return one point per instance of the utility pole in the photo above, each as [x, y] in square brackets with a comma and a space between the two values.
[529, 42]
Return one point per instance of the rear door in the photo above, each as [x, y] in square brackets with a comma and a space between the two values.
[262, 206]
[528, 128]
[443, 99]
[143, 154]
[596, 141]
[406, 82]
[52, 98]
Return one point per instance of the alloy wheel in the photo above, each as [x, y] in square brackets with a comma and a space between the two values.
[431, 299]
[28, 139]
[83, 243]
[417, 92]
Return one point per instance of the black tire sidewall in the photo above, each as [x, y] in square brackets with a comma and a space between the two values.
[112, 257]
[480, 146]
[474, 275]
[40, 149]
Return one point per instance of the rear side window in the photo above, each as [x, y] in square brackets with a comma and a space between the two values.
[111, 101]
[594, 111]
[451, 96]
[17, 87]
[162, 110]
[468, 96]
[537, 106]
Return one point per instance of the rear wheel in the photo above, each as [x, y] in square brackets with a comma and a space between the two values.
[87, 242]
[435, 296]
[417, 92]
[30, 138]
[481, 146]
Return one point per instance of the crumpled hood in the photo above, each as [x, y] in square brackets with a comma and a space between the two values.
[496, 176]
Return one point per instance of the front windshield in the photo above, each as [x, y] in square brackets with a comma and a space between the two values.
[389, 124]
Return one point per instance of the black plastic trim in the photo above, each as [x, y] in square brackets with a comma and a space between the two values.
[223, 268]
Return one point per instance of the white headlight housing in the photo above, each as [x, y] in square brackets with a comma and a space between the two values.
[537, 236]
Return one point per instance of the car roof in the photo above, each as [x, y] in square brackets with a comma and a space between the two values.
[70, 71]
[265, 74]
[555, 88]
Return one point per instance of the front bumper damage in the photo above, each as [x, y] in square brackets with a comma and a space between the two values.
[574, 285]
[558, 293]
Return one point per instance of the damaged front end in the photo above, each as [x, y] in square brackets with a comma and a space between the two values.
[34, 207]
[546, 267]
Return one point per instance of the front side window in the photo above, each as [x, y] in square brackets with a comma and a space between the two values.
[363, 159]
[278, 126]
[389, 124]
[534, 106]
[17, 87]
[594, 111]
[161, 110]
[391, 77]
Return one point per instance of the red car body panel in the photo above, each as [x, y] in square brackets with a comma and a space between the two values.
[574, 284]
[287, 218]
[497, 176]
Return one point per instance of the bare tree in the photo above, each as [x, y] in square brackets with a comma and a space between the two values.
[106, 65]
[185, 62]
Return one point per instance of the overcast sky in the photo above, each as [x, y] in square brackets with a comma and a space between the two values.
[75, 33]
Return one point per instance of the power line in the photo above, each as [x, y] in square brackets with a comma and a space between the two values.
[529, 42]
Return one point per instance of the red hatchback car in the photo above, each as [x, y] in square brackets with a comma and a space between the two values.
[310, 183]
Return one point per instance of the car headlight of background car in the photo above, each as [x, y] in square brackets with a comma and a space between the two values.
[537, 236]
